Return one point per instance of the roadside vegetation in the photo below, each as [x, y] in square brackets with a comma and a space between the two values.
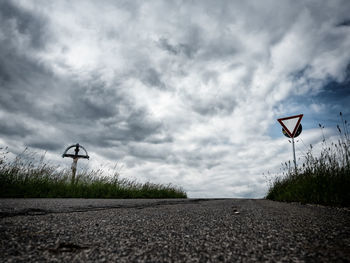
[28, 176]
[321, 180]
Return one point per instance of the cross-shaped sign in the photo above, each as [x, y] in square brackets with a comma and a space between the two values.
[75, 157]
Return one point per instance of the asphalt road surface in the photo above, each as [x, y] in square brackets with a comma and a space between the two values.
[192, 230]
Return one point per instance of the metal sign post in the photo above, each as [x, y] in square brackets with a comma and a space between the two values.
[295, 160]
[75, 158]
[292, 128]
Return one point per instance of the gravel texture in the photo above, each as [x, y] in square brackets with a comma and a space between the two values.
[192, 230]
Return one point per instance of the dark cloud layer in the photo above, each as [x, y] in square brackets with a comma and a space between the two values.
[13, 128]
[16, 20]
[88, 111]
[345, 23]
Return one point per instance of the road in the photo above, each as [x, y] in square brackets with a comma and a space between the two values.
[185, 230]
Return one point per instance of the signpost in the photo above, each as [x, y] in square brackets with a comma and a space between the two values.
[292, 128]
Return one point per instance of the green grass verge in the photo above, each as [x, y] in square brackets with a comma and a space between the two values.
[321, 180]
[27, 177]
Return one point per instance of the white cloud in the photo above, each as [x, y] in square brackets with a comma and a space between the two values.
[205, 81]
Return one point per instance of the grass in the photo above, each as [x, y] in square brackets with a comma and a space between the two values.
[30, 177]
[321, 180]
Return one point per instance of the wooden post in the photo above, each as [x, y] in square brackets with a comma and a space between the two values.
[74, 169]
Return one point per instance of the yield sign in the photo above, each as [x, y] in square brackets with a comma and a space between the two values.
[291, 124]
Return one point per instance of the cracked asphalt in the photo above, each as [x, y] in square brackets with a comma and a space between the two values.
[173, 230]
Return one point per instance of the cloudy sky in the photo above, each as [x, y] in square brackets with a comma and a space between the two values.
[182, 92]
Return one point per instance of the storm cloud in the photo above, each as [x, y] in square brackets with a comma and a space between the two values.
[186, 92]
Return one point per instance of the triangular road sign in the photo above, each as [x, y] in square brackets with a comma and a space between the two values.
[291, 124]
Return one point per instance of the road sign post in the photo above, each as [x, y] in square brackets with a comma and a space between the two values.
[292, 128]
[295, 159]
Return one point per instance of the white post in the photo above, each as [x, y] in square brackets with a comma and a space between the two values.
[295, 160]
[74, 169]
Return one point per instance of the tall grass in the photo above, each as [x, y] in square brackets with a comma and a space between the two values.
[320, 180]
[29, 176]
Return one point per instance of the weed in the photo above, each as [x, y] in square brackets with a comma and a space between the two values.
[29, 176]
